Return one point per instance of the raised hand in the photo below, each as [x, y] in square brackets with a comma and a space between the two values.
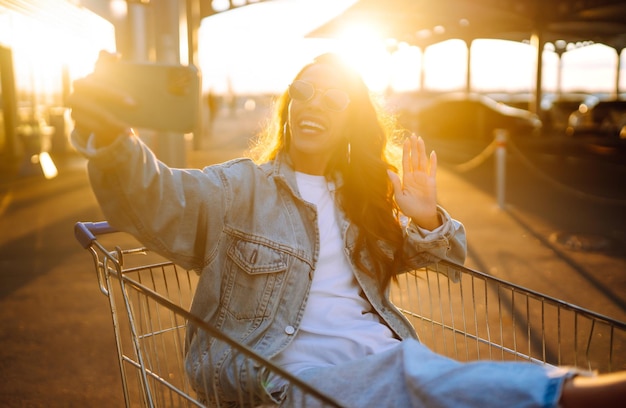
[416, 192]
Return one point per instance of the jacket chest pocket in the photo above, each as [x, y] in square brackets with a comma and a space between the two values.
[253, 280]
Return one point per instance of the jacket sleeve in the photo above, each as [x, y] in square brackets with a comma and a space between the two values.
[423, 248]
[170, 211]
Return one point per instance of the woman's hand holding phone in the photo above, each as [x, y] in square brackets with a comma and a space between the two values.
[120, 95]
[91, 103]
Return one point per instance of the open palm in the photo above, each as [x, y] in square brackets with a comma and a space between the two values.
[416, 192]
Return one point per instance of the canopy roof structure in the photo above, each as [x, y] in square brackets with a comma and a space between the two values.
[567, 24]
[426, 22]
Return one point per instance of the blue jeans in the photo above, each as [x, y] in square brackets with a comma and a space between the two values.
[410, 375]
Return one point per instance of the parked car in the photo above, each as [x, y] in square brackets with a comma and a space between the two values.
[604, 118]
[554, 109]
[472, 115]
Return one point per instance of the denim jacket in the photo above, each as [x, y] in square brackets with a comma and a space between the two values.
[252, 238]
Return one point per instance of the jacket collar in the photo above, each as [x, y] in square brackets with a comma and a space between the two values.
[282, 168]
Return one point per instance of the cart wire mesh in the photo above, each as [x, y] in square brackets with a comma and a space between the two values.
[472, 316]
[481, 317]
[150, 300]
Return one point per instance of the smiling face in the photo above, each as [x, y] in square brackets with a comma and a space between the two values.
[317, 130]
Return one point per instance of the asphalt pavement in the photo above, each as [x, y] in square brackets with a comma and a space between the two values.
[56, 337]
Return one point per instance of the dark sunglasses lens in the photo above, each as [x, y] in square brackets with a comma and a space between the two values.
[336, 100]
[301, 91]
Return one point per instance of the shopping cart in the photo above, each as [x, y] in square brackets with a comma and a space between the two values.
[150, 298]
[482, 317]
[472, 316]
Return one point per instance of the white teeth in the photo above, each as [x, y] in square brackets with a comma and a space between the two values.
[311, 124]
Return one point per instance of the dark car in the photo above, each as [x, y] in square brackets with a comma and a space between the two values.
[604, 119]
[473, 116]
[554, 109]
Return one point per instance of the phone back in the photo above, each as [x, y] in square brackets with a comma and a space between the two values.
[167, 95]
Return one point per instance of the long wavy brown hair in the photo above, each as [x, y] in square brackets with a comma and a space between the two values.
[366, 195]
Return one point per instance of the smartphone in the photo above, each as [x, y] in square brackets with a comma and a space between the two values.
[167, 96]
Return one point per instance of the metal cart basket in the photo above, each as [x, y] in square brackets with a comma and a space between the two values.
[469, 316]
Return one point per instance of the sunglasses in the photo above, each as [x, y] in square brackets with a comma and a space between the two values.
[334, 100]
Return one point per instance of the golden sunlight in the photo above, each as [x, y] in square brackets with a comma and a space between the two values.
[503, 65]
[445, 65]
[405, 67]
[496, 65]
[362, 47]
[42, 50]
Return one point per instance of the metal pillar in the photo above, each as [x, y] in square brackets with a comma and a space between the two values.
[537, 41]
[154, 28]
[422, 69]
[501, 136]
[192, 14]
[193, 23]
[9, 103]
[138, 23]
[617, 73]
[168, 14]
[468, 73]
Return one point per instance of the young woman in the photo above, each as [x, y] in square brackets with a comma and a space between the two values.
[297, 248]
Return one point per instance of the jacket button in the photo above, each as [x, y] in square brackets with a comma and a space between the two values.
[290, 330]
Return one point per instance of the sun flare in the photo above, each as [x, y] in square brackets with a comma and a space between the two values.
[362, 46]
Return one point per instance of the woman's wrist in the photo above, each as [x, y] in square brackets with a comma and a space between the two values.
[105, 139]
[428, 223]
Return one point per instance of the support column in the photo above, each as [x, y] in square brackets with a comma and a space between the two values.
[501, 136]
[138, 28]
[193, 24]
[537, 41]
[167, 17]
[9, 104]
[618, 73]
[468, 74]
[192, 14]
[422, 69]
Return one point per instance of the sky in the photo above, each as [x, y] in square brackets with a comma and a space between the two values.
[258, 48]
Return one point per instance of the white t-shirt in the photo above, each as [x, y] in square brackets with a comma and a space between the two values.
[339, 325]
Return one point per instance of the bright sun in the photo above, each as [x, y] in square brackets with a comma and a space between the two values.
[388, 64]
[364, 49]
